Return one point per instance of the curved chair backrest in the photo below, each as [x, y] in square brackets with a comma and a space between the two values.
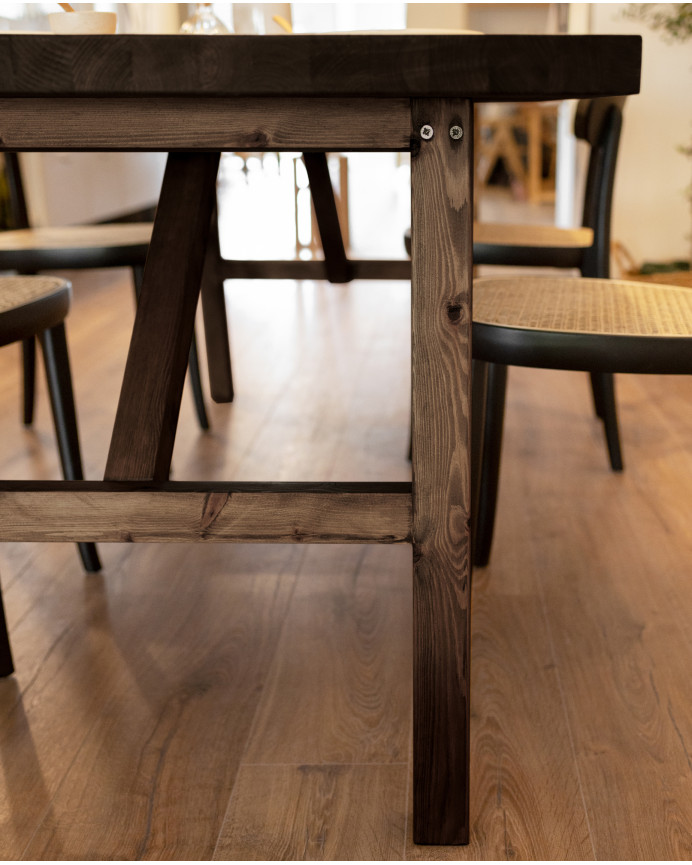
[599, 122]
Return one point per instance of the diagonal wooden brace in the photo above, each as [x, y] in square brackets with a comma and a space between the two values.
[147, 415]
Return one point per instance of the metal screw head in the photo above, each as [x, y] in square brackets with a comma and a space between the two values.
[456, 132]
[426, 132]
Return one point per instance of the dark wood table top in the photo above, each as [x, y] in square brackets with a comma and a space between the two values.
[491, 68]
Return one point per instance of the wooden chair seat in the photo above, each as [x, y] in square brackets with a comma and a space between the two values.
[593, 324]
[108, 245]
[36, 306]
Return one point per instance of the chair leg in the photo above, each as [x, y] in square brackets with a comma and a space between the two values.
[193, 366]
[29, 368]
[490, 455]
[479, 379]
[6, 664]
[603, 388]
[59, 380]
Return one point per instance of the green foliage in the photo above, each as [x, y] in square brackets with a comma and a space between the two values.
[673, 19]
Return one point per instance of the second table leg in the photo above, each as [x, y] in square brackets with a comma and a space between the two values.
[441, 235]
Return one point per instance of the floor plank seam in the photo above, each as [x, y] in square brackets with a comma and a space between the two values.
[251, 726]
[563, 702]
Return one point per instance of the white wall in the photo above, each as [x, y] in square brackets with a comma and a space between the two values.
[69, 188]
[651, 212]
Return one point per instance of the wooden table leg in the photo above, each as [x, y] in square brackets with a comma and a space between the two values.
[147, 415]
[215, 320]
[441, 234]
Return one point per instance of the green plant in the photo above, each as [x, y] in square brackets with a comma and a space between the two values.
[674, 19]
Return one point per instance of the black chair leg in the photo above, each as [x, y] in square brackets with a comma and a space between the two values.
[597, 393]
[603, 387]
[193, 366]
[29, 368]
[490, 455]
[6, 664]
[59, 380]
[478, 404]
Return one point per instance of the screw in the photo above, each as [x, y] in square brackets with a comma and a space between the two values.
[427, 132]
[456, 132]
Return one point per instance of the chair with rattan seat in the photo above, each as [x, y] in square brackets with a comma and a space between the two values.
[36, 307]
[597, 325]
[28, 250]
[586, 248]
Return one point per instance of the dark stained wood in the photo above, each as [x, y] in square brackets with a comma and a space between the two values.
[316, 269]
[441, 186]
[514, 67]
[260, 516]
[335, 262]
[171, 651]
[144, 431]
[490, 68]
[215, 319]
[64, 123]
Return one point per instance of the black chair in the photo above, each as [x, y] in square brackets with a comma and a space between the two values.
[599, 123]
[597, 325]
[28, 250]
[35, 307]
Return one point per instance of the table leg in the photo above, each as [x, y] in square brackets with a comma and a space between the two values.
[215, 320]
[147, 416]
[441, 234]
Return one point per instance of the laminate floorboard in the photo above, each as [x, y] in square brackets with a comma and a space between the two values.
[254, 702]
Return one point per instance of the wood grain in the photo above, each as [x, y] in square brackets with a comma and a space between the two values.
[323, 812]
[441, 196]
[216, 319]
[145, 423]
[217, 124]
[88, 512]
[618, 623]
[150, 718]
[101, 658]
[516, 67]
[339, 689]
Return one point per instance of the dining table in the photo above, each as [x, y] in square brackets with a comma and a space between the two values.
[195, 97]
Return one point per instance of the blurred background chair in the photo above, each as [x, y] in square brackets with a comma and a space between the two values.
[598, 325]
[28, 250]
[35, 307]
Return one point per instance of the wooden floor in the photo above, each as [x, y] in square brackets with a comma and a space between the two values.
[254, 702]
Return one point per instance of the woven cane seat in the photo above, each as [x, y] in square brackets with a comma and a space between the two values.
[588, 324]
[31, 304]
[111, 245]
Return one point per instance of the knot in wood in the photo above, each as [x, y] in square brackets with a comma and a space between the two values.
[454, 312]
[259, 138]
